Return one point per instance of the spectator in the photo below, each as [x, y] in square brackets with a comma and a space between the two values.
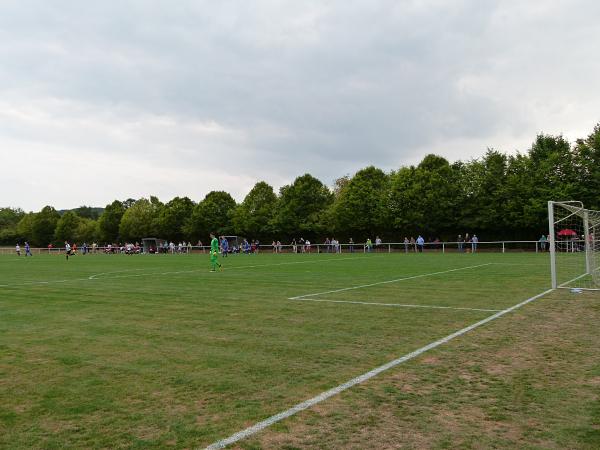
[460, 242]
[474, 242]
[413, 244]
[543, 242]
[369, 245]
[420, 243]
[377, 243]
[406, 244]
[351, 245]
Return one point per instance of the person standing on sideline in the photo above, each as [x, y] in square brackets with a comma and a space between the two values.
[369, 245]
[460, 241]
[406, 244]
[224, 246]
[377, 243]
[214, 253]
[18, 249]
[27, 249]
[420, 243]
[351, 245]
[474, 241]
[67, 249]
[543, 241]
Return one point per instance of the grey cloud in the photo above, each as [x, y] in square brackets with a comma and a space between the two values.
[291, 87]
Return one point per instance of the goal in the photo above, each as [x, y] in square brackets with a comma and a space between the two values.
[574, 247]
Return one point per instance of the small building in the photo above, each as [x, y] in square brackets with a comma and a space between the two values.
[152, 245]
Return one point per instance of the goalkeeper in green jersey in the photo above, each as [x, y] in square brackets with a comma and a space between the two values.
[214, 253]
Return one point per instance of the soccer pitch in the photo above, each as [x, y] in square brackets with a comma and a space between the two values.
[154, 351]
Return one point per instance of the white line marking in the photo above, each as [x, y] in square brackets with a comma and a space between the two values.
[360, 379]
[580, 288]
[227, 269]
[93, 277]
[399, 305]
[574, 279]
[387, 282]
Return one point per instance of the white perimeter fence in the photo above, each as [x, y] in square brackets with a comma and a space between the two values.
[387, 247]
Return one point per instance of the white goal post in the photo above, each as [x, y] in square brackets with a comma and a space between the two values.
[574, 246]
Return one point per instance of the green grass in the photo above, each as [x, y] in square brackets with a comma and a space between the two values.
[155, 351]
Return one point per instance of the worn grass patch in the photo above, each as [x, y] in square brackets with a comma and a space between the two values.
[528, 380]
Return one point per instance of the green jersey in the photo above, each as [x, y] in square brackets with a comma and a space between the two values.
[214, 245]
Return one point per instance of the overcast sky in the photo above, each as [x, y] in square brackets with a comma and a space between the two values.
[115, 99]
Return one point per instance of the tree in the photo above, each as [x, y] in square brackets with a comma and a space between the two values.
[109, 222]
[88, 212]
[423, 199]
[25, 227]
[174, 217]
[213, 214]
[9, 219]
[361, 207]
[302, 208]
[66, 227]
[43, 226]
[587, 165]
[87, 231]
[140, 220]
[253, 218]
[339, 184]
[546, 172]
[483, 197]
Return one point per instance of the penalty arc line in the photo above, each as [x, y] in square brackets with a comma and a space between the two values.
[362, 378]
[298, 297]
[398, 305]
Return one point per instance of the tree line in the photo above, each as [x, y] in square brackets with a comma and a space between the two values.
[497, 196]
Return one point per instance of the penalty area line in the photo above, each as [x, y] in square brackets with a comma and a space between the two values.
[362, 378]
[397, 305]
[298, 297]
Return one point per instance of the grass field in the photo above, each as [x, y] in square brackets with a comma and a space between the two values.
[115, 351]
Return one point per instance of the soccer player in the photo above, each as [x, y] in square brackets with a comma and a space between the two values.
[27, 250]
[67, 249]
[18, 250]
[214, 252]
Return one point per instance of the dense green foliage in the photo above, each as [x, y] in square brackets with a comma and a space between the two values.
[497, 196]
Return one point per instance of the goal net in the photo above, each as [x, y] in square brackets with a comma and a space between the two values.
[574, 246]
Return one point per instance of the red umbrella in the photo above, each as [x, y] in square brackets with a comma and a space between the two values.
[567, 232]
